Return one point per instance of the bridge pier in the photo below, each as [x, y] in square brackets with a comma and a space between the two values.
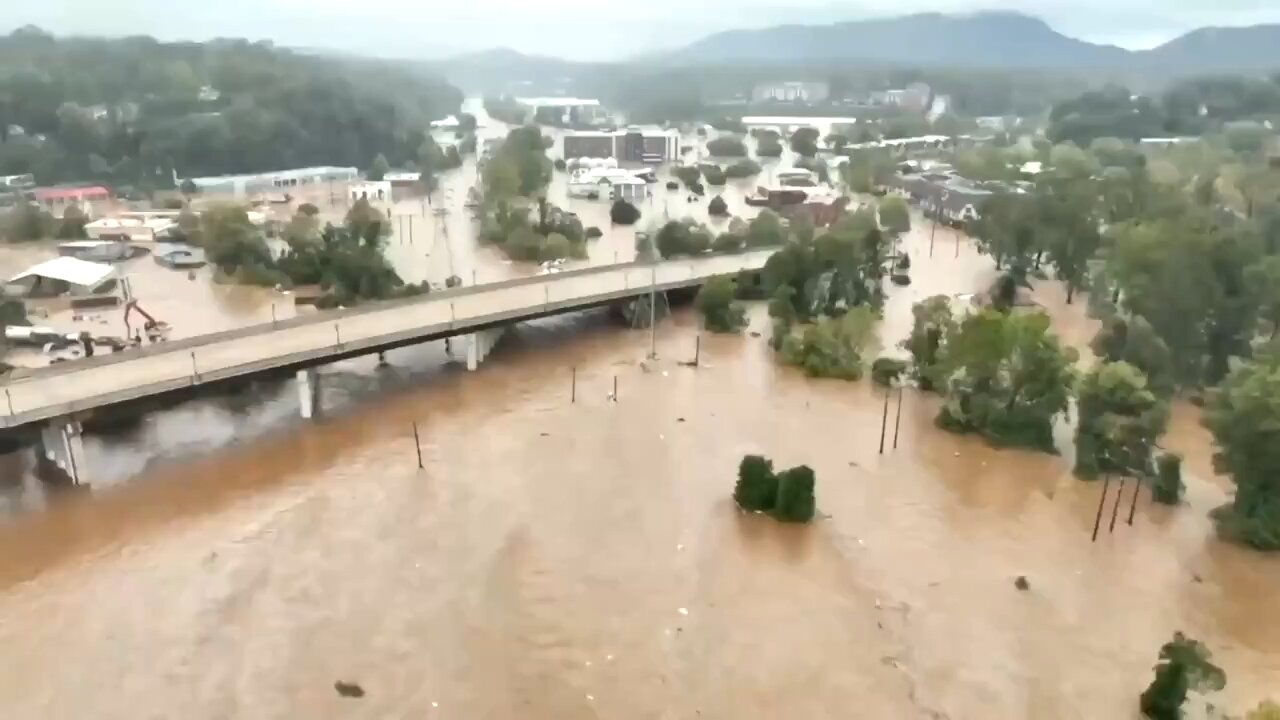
[480, 344]
[61, 450]
[308, 393]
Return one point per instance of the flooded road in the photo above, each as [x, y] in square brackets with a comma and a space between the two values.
[567, 560]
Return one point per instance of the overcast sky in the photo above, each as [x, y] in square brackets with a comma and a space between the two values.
[578, 29]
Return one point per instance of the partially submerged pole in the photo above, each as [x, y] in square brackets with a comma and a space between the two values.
[884, 420]
[697, 349]
[1137, 487]
[573, 385]
[897, 420]
[1097, 521]
[615, 388]
[417, 443]
[1115, 509]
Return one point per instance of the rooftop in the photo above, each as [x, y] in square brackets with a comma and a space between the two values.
[558, 102]
[68, 269]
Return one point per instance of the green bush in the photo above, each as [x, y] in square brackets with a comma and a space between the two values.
[728, 243]
[717, 207]
[1168, 487]
[744, 168]
[719, 311]
[714, 175]
[560, 164]
[687, 174]
[769, 147]
[795, 502]
[885, 370]
[757, 487]
[624, 213]
[727, 146]
[594, 233]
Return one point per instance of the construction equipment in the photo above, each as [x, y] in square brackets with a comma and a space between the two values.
[154, 329]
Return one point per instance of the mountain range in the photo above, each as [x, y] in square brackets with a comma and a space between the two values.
[982, 40]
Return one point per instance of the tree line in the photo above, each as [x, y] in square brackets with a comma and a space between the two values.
[134, 111]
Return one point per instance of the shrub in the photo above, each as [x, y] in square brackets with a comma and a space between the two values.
[560, 164]
[1168, 487]
[673, 185]
[727, 243]
[624, 213]
[717, 207]
[719, 311]
[757, 487]
[769, 147]
[687, 174]
[594, 233]
[555, 246]
[727, 146]
[795, 501]
[885, 370]
[713, 175]
[744, 168]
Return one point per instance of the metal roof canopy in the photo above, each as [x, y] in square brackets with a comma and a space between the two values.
[71, 270]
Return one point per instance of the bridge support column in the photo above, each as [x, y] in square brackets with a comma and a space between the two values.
[480, 344]
[61, 450]
[308, 393]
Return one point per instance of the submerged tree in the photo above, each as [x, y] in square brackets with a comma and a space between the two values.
[1006, 377]
[1244, 417]
[788, 496]
[720, 313]
[1119, 422]
[932, 321]
[1184, 667]
[833, 347]
[757, 487]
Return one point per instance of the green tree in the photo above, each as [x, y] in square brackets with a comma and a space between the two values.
[624, 213]
[1244, 417]
[1005, 377]
[804, 141]
[1264, 282]
[1119, 422]
[1133, 341]
[769, 146]
[379, 168]
[727, 146]
[1184, 666]
[366, 221]
[189, 188]
[1067, 229]
[720, 313]
[796, 502]
[743, 168]
[894, 214]
[932, 321]
[687, 174]
[766, 230]
[555, 246]
[1168, 487]
[71, 226]
[833, 347]
[714, 175]
[26, 222]
[757, 486]
[717, 207]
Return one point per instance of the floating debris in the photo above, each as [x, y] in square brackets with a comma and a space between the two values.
[1021, 583]
[683, 611]
[348, 690]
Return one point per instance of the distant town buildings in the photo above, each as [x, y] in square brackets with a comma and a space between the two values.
[144, 226]
[56, 200]
[284, 180]
[916, 97]
[946, 197]
[567, 111]
[791, 92]
[628, 146]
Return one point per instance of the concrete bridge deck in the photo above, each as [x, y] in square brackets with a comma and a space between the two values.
[74, 387]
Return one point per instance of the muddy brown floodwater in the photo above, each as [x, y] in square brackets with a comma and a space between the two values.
[560, 560]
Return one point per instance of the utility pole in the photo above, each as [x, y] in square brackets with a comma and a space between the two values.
[653, 312]
[931, 236]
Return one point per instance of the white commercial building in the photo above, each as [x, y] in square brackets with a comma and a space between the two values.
[371, 190]
[274, 182]
[133, 227]
[61, 275]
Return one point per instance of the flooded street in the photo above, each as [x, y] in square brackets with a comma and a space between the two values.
[566, 560]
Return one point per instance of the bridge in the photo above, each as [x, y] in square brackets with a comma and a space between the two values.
[62, 395]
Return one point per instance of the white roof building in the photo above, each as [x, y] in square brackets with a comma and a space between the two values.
[60, 275]
[282, 180]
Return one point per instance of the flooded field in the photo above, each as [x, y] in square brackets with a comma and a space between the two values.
[567, 560]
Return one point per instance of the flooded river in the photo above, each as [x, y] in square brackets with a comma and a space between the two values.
[558, 560]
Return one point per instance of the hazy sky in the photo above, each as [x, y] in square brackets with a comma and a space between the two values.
[579, 29]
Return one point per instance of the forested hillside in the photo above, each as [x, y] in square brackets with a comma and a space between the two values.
[132, 111]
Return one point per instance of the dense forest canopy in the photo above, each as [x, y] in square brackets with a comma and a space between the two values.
[1190, 107]
[135, 110]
